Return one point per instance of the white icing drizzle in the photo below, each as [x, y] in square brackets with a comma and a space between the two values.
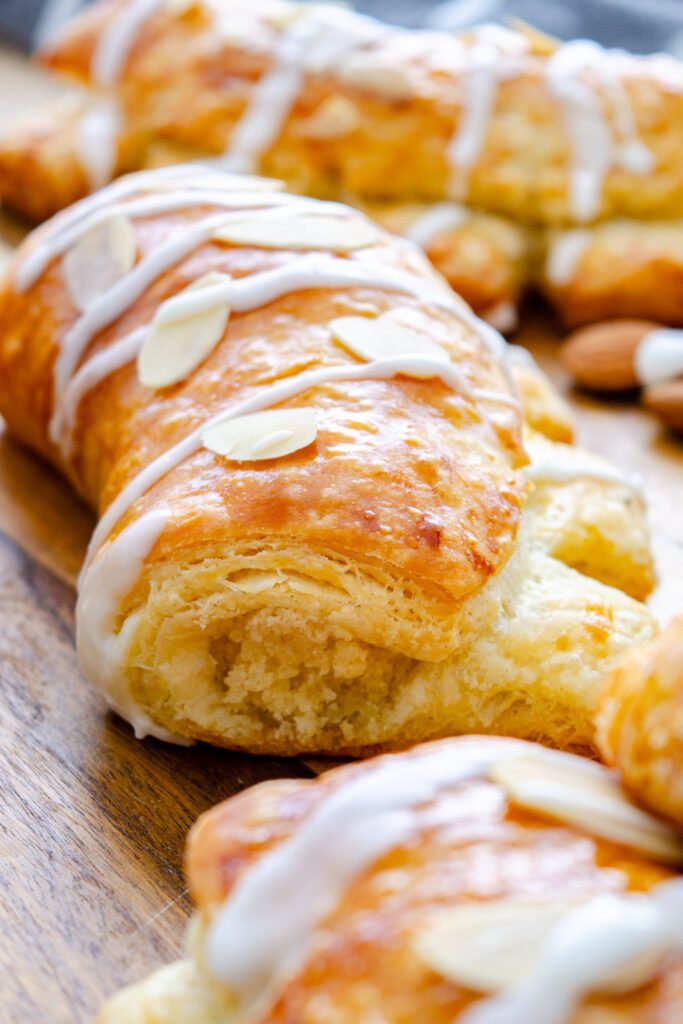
[503, 317]
[92, 373]
[242, 295]
[564, 255]
[63, 237]
[659, 356]
[599, 936]
[116, 42]
[487, 63]
[111, 305]
[314, 42]
[101, 649]
[98, 129]
[420, 367]
[438, 218]
[263, 931]
[97, 135]
[271, 100]
[563, 463]
[492, 56]
[595, 146]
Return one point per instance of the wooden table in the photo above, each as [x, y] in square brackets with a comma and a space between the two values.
[93, 822]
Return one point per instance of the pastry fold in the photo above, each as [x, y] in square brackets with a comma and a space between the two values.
[370, 586]
[520, 139]
[494, 111]
[640, 722]
[468, 859]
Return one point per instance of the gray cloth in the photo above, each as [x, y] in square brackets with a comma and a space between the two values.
[638, 25]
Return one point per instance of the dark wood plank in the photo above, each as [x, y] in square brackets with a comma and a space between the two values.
[93, 822]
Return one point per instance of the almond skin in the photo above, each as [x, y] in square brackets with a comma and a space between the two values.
[601, 357]
[666, 402]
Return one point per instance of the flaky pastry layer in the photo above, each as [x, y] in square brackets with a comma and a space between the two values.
[472, 845]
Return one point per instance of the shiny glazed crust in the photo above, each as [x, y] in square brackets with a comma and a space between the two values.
[640, 721]
[350, 135]
[484, 848]
[348, 597]
[521, 171]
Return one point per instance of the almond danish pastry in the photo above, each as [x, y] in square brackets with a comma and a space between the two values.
[492, 148]
[472, 881]
[318, 530]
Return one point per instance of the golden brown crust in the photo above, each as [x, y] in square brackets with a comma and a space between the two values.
[448, 525]
[626, 269]
[199, 103]
[495, 852]
[484, 258]
[640, 722]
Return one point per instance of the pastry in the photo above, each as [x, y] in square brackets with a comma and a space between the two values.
[640, 722]
[328, 99]
[536, 138]
[472, 881]
[306, 453]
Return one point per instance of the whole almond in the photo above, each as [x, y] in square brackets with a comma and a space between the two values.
[601, 357]
[666, 402]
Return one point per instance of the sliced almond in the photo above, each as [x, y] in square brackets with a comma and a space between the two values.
[590, 799]
[336, 117]
[100, 258]
[299, 231]
[494, 946]
[382, 337]
[367, 73]
[262, 435]
[489, 946]
[173, 349]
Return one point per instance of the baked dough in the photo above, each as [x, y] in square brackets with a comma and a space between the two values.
[533, 137]
[371, 585]
[495, 113]
[411, 888]
[640, 722]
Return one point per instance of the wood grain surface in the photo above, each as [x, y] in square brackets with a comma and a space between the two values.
[93, 822]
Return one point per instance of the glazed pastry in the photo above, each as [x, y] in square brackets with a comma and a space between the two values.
[622, 268]
[306, 454]
[473, 881]
[328, 99]
[484, 258]
[640, 722]
[508, 121]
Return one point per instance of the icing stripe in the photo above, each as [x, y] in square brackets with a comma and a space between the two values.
[381, 369]
[101, 648]
[262, 932]
[114, 46]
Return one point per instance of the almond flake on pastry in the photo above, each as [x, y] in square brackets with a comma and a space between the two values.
[382, 337]
[589, 799]
[336, 117]
[300, 231]
[497, 945]
[262, 435]
[100, 258]
[173, 349]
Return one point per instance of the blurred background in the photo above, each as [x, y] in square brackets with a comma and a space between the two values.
[642, 26]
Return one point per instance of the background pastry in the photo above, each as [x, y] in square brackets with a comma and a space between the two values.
[331, 579]
[445, 884]
[640, 722]
[510, 123]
